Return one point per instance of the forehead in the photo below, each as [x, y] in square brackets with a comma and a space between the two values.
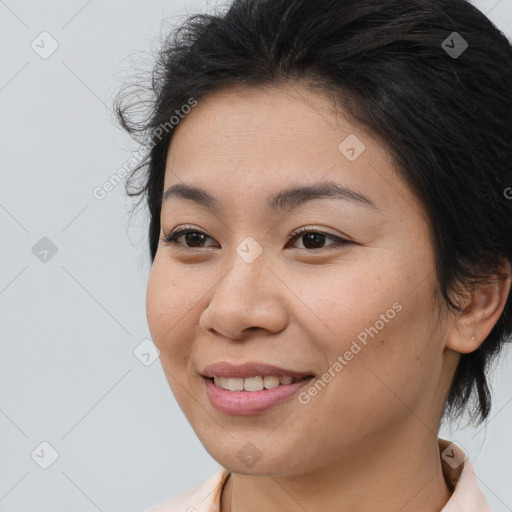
[248, 142]
[264, 123]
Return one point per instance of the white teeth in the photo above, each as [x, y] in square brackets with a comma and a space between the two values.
[251, 383]
[234, 384]
[271, 382]
[221, 382]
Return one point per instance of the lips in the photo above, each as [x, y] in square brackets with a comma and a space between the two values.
[251, 401]
[247, 370]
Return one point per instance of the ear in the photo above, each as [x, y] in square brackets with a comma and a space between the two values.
[472, 325]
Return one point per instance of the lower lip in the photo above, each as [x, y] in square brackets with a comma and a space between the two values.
[250, 402]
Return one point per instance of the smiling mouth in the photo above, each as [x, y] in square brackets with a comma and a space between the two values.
[257, 383]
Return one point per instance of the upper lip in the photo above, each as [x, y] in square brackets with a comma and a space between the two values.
[225, 369]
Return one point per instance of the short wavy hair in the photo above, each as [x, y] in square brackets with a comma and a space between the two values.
[396, 67]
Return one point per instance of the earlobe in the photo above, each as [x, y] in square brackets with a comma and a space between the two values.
[473, 324]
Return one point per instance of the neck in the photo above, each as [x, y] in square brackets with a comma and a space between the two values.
[402, 473]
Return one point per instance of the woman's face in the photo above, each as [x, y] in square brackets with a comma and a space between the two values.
[357, 315]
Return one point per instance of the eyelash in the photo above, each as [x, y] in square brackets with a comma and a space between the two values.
[172, 238]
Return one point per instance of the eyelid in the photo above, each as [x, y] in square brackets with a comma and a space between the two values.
[338, 239]
[180, 231]
[316, 229]
[184, 229]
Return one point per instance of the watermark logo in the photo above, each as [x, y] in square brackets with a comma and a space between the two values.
[249, 249]
[146, 352]
[351, 147]
[454, 455]
[44, 45]
[44, 250]
[44, 455]
[249, 454]
[454, 45]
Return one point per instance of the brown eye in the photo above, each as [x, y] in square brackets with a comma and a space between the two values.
[193, 238]
[314, 239]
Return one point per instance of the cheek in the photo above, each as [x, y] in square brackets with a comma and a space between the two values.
[164, 305]
[382, 324]
[155, 306]
[167, 320]
[173, 307]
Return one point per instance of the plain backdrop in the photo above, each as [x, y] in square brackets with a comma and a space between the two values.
[77, 391]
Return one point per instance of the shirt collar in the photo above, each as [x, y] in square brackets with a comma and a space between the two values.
[461, 479]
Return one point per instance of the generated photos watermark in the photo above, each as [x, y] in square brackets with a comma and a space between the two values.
[305, 396]
[100, 192]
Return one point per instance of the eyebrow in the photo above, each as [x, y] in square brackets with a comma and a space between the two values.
[287, 199]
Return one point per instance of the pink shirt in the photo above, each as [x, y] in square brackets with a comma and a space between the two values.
[457, 469]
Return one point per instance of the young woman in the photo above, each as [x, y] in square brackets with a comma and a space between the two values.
[329, 188]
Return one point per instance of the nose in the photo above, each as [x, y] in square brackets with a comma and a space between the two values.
[247, 297]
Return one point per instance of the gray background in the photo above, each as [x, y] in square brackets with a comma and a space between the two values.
[72, 322]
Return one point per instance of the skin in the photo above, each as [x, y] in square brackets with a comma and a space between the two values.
[368, 439]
